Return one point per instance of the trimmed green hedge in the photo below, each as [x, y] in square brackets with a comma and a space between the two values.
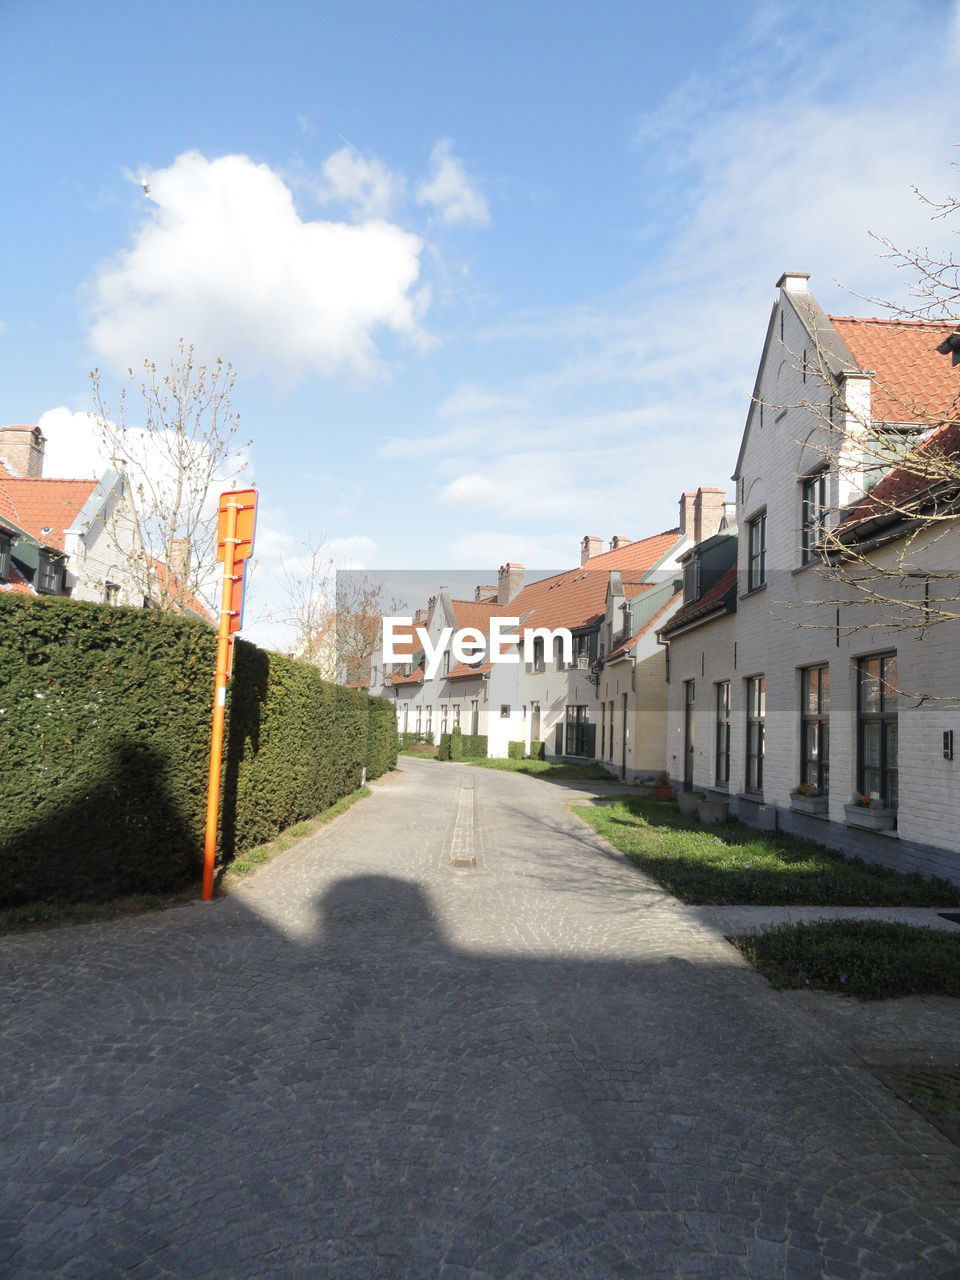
[461, 746]
[105, 737]
[537, 749]
[515, 750]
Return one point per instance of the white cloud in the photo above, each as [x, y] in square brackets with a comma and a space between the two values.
[450, 192]
[223, 258]
[74, 448]
[366, 185]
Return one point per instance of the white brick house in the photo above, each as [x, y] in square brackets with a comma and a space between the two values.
[615, 659]
[781, 677]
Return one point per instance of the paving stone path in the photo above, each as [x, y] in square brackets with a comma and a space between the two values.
[372, 1063]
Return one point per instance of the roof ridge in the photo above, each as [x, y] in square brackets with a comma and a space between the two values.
[892, 320]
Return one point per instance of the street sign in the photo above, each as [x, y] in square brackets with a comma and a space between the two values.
[245, 501]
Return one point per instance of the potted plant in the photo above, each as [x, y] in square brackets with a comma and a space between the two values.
[662, 790]
[869, 813]
[808, 798]
[712, 807]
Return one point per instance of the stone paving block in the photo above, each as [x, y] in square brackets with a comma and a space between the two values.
[369, 1064]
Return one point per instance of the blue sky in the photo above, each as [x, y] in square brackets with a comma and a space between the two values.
[493, 275]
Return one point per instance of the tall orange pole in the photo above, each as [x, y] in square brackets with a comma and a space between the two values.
[224, 641]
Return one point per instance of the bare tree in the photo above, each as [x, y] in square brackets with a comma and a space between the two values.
[889, 539]
[335, 614]
[178, 447]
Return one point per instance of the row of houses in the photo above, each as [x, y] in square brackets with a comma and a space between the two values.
[793, 651]
[76, 537]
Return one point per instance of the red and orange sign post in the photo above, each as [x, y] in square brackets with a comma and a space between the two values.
[236, 524]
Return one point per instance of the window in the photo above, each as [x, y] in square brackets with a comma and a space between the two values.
[603, 729]
[580, 733]
[475, 717]
[430, 719]
[815, 728]
[756, 714]
[757, 551]
[50, 575]
[419, 719]
[444, 714]
[5, 559]
[813, 515]
[539, 661]
[456, 715]
[722, 771]
[691, 580]
[504, 711]
[877, 696]
[446, 662]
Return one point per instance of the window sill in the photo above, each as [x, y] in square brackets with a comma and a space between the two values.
[752, 797]
[753, 591]
[808, 564]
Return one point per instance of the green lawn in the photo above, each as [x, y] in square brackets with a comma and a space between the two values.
[734, 864]
[547, 769]
[872, 959]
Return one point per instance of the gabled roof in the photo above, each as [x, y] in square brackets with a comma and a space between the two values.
[46, 509]
[913, 382]
[721, 598]
[476, 613]
[578, 598]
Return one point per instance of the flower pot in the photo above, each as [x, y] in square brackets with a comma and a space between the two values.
[663, 791]
[868, 818]
[800, 802]
[712, 809]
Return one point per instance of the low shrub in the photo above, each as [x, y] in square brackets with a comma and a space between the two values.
[516, 750]
[537, 749]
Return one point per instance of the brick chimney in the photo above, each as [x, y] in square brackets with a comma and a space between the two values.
[687, 501]
[708, 508]
[180, 559]
[510, 582]
[485, 593]
[22, 447]
[619, 540]
[420, 617]
[590, 546]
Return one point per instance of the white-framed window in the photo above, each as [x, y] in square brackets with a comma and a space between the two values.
[813, 514]
[815, 727]
[877, 726]
[756, 690]
[757, 551]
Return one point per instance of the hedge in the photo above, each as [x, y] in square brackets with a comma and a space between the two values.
[516, 750]
[537, 751]
[462, 746]
[105, 736]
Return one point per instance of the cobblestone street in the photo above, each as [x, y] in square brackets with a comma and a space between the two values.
[451, 1037]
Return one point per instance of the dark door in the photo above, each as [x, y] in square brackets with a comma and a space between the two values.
[623, 746]
[688, 734]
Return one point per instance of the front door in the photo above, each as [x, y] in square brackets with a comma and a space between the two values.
[623, 746]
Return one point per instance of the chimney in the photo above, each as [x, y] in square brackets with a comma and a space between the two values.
[485, 593]
[708, 508]
[510, 582]
[420, 617]
[619, 540]
[23, 448]
[687, 501]
[794, 282]
[590, 546]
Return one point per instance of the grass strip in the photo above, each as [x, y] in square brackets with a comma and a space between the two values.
[733, 864]
[546, 769]
[253, 858]
[872, 959]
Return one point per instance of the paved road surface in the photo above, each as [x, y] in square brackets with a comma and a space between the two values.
[369, 1063]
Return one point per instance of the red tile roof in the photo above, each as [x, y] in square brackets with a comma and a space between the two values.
[171, 589]
[578, 597]
[475, 613]
[914, 382]
[46, 509]
[17, 583]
